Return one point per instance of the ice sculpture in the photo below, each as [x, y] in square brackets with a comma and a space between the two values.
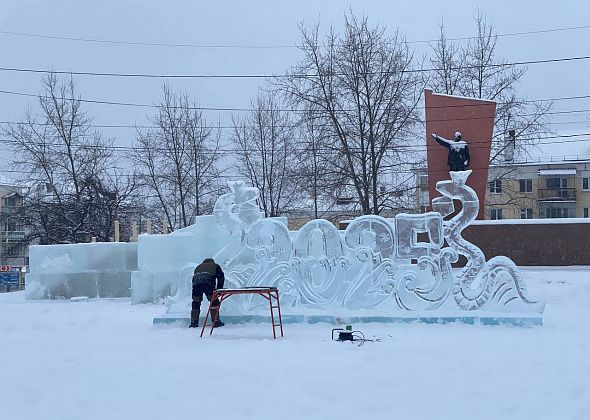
[101, 270]
[389, 266]
[495, 283]
[397, 267]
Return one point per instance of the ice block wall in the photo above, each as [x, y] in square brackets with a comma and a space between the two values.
[167, 262]
[100, 270]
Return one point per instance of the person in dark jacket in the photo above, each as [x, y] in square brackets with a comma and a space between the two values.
[459, 158]
[208, 276]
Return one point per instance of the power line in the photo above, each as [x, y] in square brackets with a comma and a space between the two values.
[473, 145]
[384, 171]
[233, 152]
[252, 46]
[31, 95]
[267, 76]
[145, 43]
[231, 127]
[115, 174]
[241, 109]
[511, 34]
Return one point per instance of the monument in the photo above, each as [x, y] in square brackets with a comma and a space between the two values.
[473, 119]
[459, 157]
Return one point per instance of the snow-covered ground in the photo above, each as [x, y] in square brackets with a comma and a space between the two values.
[104, 360]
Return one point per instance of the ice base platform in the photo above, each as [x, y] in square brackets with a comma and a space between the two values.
[475, 319]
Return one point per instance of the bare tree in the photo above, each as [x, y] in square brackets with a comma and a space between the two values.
[177, 160]
[74, 189]
[447, 61]
[362, 87]
[475, 70]
[315, 174]
[264, 142]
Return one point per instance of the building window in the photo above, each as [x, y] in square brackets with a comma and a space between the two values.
[344, 201]
[526, 213]
[586, 183]
[9, 226]
[554, 183]
[526, 185]
[10, 201]
[14, 251]
[557, 213]
[585, 211]
[496, 214]
[496, 186]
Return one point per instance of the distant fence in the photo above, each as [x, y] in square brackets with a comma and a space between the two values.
[534, 241]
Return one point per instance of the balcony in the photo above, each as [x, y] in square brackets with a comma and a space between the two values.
[12, 236]
[11, 210]
[557, 194]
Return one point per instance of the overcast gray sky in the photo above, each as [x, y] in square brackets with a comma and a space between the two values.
[258, 23]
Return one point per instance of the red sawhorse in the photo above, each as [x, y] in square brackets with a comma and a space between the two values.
[269, 293]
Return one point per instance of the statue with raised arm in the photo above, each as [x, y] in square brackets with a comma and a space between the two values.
[458, 159]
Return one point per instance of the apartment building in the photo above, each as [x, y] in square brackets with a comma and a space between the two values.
[539, 190]
[13, 251]
[548, 181]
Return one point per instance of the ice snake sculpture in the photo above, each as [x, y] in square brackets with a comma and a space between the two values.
[496, 282]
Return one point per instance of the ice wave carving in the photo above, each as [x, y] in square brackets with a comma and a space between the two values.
[400, 263]
[496, 281]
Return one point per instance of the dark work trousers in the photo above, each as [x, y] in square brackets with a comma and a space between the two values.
[200, 289]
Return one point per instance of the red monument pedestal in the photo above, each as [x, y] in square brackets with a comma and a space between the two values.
[474, 118]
